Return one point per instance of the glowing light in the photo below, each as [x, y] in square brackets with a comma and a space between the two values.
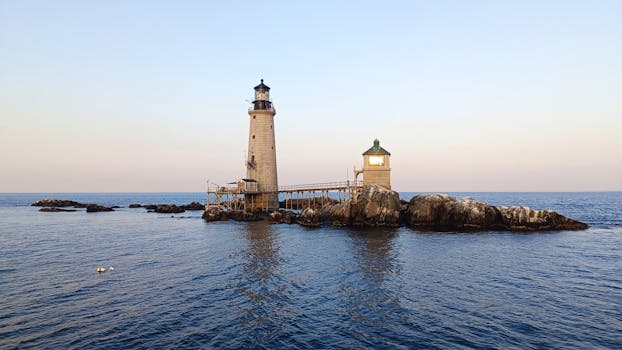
[376, 160]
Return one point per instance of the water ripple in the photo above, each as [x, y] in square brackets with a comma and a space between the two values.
[187, 284]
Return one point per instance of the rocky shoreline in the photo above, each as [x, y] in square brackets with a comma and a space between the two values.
[376, 206]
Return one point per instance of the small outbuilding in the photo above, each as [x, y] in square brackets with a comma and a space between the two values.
[376, 166]
[247, 185]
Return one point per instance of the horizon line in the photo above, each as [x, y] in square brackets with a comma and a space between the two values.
[96, 192]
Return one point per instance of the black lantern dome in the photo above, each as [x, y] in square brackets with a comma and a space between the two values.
[262, 97]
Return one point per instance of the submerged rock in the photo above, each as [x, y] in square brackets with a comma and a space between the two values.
[55, 210]
[134, 205]
[55, 203]
[443, 212]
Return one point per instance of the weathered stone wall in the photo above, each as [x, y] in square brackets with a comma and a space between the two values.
[262, 148]
[380, 177]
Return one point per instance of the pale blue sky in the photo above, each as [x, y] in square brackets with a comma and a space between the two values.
[468, 96]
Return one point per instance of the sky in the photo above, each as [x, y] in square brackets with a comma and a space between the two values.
[152, 96]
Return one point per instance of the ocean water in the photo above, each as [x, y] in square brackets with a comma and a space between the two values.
[179, 282]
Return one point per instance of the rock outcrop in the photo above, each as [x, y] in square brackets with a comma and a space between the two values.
[374, 207]
[94, 208]
[443, 212]
[193, 206]
[214, 214]
[168, 209]
[59, 203]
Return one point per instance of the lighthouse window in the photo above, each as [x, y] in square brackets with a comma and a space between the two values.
[376, 160]
[253, 137]
[253, 117]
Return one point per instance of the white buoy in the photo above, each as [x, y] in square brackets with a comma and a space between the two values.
[101, 269]
[110, 268]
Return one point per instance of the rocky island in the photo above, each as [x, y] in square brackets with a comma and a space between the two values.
[376, 206]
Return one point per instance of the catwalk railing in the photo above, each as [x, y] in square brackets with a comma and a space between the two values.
[324, 186]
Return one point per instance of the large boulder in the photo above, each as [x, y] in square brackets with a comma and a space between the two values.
[338, 214]
[443, 212]
[375, 206]
[309, 217]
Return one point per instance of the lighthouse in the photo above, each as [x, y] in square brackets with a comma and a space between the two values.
[261, 161]
[376, 166]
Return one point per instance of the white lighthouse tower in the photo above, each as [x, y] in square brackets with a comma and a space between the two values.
[261, 162]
